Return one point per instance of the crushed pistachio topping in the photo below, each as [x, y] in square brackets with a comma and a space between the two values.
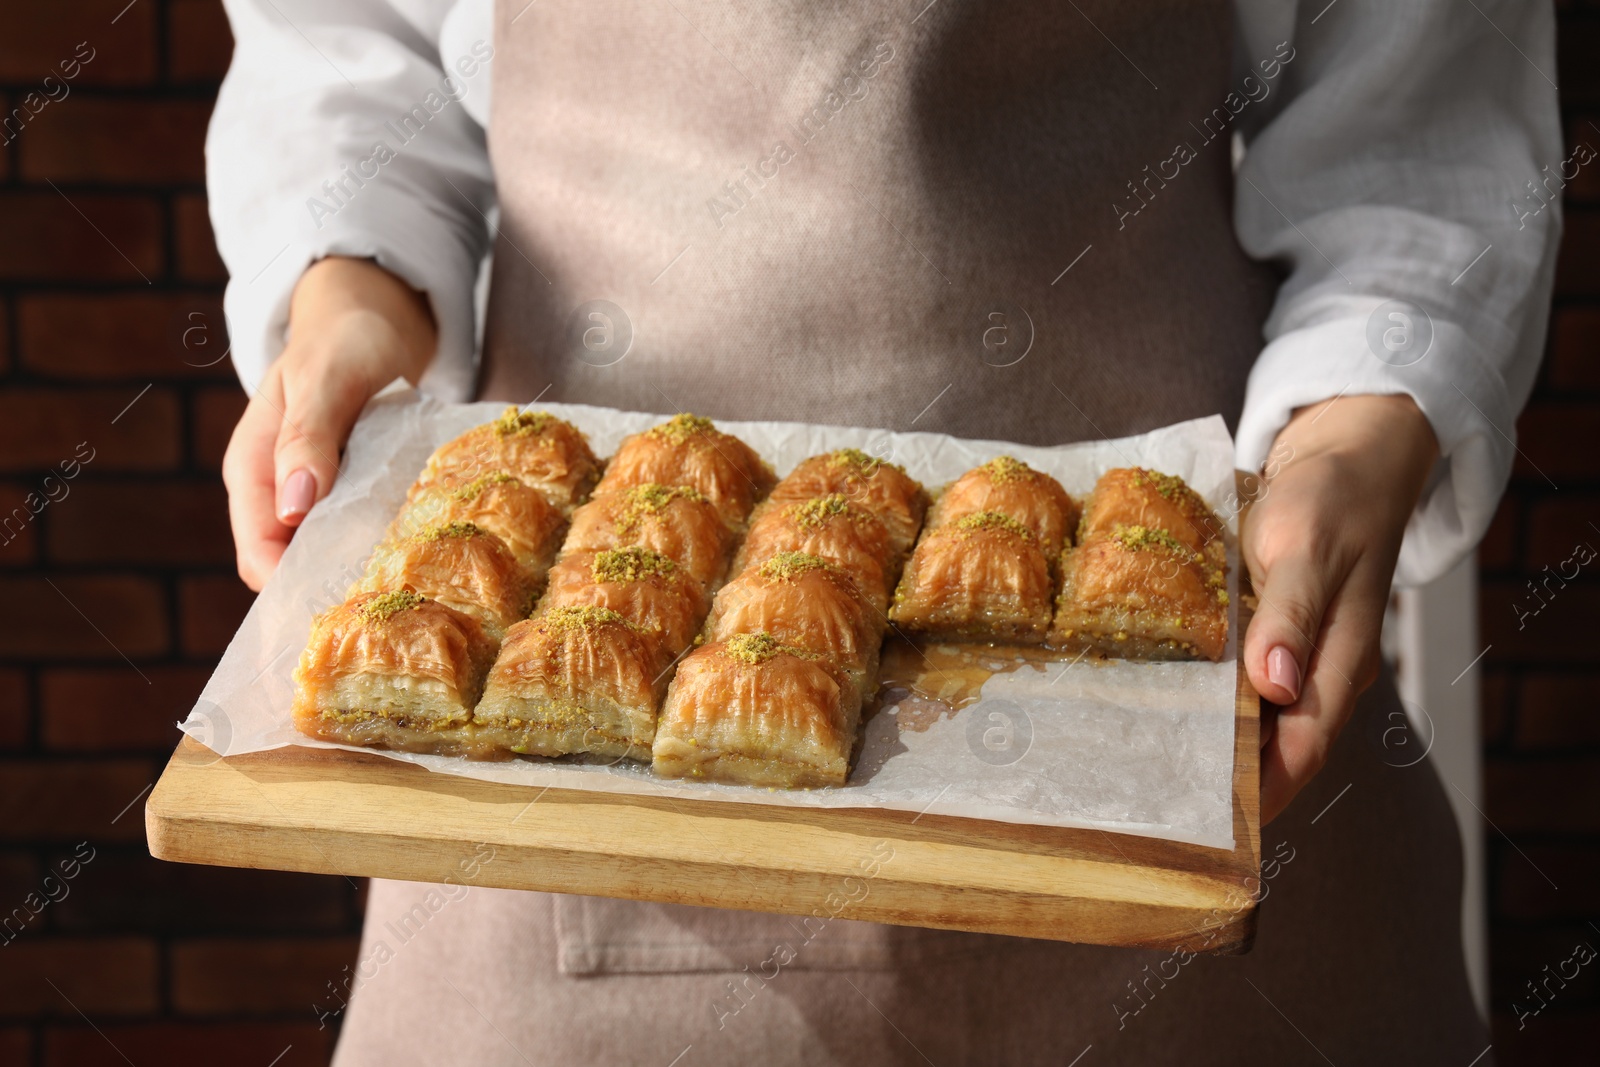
[1003, 469]
[760, 647]
[1222, 598]
[785, 566]
[1168, 485]
[381, 608]
[992, 520]
[648, 499]
[471, 490]
[631, 564]
[580, 617]
[858, 461]
[818, 511]
[519, 423]
[450, 529]
[1137, 537]
[681, 427]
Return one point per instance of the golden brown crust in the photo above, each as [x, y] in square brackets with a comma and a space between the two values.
[675, 521]
[529, 525]
[982, 577]
[457, 564]
[832, 528]
[647, 589]
[878, 487]
[405, 664]
[740, 712]
[574, 679]
[1140, 593]
[1013, 488]
[690, 451]
[549, 454]
[805, 602]
[1133, 496]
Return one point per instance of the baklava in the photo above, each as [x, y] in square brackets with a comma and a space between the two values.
[644, 587]
[688, 450]
[753, 711]
[808, 603]
[834, 529]
[393, 670]
[547, 453]
[673, 520]
[573, 679]
[871, 484]
[459, 565]
[981, 577]
[518, 514]
[1134, 496]
[1011, 487]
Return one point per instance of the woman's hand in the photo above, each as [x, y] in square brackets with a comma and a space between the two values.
[354, 328]
[1321, 540]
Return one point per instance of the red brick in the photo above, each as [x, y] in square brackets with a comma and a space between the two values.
[114, 710]
[1523, 887]
[174, 523]
[83, 617]
[211, 609]
[5, 309]
[1584, 188]
[198, 260]
[1578, 264]
[44, 236]
[299, 1044]
[1544, 796]
[38, 38]
[136, 336]
[19, 876]
[1556, 711]
[1520, 631]
[216, 413]
[118, 141]
[74, 800]
[16, 1047]
[1576, 46]
[200, 43]
[1494, 695]
[1556, 442]
[1549, 1038]
[1575, 345]
[1500, 542]
[114, 976]
[42, 428]
[254, 977]
[1557, 527]
[1538, 955]
[128, 893]
[14, 717]
[19, 527]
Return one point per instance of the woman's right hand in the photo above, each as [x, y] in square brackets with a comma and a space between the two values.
[353, 329]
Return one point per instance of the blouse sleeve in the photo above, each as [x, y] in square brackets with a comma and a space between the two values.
[1407, 174]
[343, 128]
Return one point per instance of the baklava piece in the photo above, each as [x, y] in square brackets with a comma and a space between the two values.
[518, 514]
[393, 670]
[675, 521]
[834, 529]
[574, 679]
[982, 577]
[644, 587]
[547, 453]
[804, 602]
[690, 450]
[1013, 488]
[753, 711]
[1133, 496]
[459, 565]
[871, 484]
[1138, 592]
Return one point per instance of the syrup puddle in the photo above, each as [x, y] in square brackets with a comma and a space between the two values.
[920, 684]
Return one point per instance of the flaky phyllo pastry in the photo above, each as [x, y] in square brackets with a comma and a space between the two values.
[545, 452]
[673, 520]
[983, 576]
[573, 679]
[832, 528]
[395, 670]
[497, 503]
[754, 711]
[690, 451]
[875, 486]
[648, 589]
[458, 564]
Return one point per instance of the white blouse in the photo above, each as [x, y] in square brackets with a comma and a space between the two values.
[1412, 158]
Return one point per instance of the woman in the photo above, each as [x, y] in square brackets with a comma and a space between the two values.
[1013, 221]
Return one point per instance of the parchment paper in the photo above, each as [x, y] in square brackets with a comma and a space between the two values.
[1137, 748]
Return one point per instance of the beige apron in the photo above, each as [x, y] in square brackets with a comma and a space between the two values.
[933, 218]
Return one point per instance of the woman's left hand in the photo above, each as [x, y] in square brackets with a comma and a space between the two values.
[1321, 539]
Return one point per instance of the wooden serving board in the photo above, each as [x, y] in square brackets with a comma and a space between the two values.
[335, 812]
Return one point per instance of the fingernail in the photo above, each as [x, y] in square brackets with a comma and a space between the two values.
[1282, 670]
[298, 493]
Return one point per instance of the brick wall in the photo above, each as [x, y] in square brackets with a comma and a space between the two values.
[122, 593]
